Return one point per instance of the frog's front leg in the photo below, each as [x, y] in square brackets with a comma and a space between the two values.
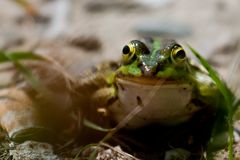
[96, 111]
[102, 98]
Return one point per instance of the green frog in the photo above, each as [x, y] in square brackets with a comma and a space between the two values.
[154, 82]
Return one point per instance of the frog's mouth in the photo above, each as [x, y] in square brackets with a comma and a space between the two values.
[148, 80]
[160, 101]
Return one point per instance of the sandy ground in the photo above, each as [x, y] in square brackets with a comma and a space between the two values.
[209, 26]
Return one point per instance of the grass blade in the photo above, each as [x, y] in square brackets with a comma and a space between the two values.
[94, 126]
[229, 101]
[31, 79]
[228, 95]
[15, 56]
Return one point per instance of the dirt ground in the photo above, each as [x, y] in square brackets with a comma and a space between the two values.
[210, 27]
[82, 33]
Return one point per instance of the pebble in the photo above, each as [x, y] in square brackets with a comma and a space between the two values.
[30, 150]
[177, 153]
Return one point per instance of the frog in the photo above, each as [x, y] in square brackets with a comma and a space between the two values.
[154, 99]
[154, 82]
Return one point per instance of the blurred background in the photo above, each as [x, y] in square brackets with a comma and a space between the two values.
[80, 33]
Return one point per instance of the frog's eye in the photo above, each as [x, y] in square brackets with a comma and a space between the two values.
[132, 50]
[128, 53]
[178, 54]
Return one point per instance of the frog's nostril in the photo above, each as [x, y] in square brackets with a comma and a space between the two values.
[147, 70]
[159, 67]
[126, 50]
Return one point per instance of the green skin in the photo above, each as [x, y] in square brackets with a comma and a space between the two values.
[157, 63]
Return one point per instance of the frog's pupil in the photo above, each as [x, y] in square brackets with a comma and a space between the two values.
[126, 50]
[181, 54]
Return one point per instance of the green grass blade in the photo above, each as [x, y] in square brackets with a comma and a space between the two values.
[31, 79]
[7, 57]
[229, 101]
[221, 85]
[94, 126]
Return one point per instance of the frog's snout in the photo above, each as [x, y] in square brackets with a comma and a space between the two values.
[148, 70]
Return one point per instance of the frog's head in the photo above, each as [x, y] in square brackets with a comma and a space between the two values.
[156, 76]
[159, 59]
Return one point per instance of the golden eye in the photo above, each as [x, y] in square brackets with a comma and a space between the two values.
[133, 50]
[178, 54]
[128, 53]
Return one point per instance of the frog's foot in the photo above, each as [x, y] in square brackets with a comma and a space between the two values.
[98, 111]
